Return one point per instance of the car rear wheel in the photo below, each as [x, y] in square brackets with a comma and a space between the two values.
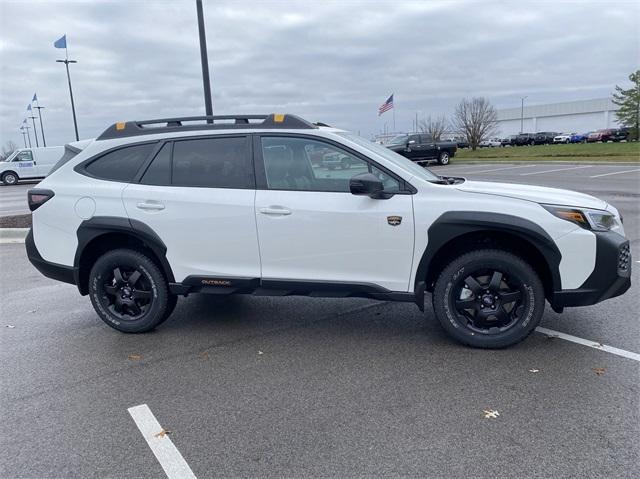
[488, 299]
[444, 158]
[9, 178]
[129, 292]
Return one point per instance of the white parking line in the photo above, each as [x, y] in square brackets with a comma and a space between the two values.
[591, 344]
[558, 169]
[615, 173]
[505, 168]
[174, 465]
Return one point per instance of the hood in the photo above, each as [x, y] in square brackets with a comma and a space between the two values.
[538, 194]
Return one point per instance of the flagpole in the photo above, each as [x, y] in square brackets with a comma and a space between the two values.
[26, 127]
[394, 117]
[66, 62]
[35, 131]
[24, 137]
[39, 108]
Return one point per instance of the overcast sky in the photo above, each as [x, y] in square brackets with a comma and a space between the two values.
[334, 62]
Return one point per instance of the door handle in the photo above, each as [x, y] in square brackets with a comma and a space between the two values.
[150, 206]
[275, 211]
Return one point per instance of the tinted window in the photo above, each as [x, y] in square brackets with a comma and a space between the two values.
[159, 171]
[121, 164]
[300, 164]
[212, 162]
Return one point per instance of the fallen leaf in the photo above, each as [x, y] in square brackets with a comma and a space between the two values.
[260, 353]
[597, 345]
[204, 355]
[10, 326]
[490, 414]
[162, 433]
[32, 311]
[552, 336]
[534, 370]
[135, 357]
[599, 371]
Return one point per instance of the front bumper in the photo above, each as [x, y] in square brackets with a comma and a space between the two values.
[55, 271]
[611, 275]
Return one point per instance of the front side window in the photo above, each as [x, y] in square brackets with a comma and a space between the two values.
[121, 164]
[301, 164]
[212, 162]
[24, 156]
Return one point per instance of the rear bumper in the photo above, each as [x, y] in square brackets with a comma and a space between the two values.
[59, 272]
[611, 276]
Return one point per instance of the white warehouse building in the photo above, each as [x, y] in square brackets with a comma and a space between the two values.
[573, 116]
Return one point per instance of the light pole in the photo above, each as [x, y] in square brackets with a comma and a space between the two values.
[204, 60]
[73, 107]
[33, 119]
[522, 99]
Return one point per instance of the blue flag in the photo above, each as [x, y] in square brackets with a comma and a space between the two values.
[61, 42]
[29, 107]
[35, 98]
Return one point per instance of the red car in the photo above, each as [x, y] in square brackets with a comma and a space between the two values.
[600, 135]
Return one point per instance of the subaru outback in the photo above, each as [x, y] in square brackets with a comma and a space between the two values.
[151, 210]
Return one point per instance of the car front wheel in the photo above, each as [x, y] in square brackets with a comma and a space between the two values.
[488, 299]
[129, 292]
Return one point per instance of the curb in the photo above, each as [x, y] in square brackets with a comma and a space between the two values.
[13, 235]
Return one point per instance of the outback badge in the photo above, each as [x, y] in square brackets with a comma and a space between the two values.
[394, 220]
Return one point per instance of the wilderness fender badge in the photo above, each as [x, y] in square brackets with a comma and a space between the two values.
[394, 220]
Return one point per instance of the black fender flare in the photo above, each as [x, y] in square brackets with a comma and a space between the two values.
[97, 226]
[454, 224]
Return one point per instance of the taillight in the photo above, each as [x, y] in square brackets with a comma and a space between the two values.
[38, 197]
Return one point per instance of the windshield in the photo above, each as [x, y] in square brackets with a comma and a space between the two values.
[11, 156]
[398, 140]
[395, 158]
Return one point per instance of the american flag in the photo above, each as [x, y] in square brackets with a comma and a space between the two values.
[387, 105]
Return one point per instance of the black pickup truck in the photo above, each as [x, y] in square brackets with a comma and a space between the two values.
[421, 148]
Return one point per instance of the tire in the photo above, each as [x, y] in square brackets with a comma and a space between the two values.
[9, 178]
[467, 281]
[532, 143]
[127, 303]
[444, 158]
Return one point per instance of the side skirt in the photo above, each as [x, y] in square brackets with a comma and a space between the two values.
[279, 287]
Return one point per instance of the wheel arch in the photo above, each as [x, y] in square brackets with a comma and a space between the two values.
[103, 233]
[457, 232]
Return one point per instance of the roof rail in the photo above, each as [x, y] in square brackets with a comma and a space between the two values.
[212, 122]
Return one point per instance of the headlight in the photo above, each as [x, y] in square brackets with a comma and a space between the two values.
[596, 220]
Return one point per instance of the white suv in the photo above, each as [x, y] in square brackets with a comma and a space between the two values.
[155, 209]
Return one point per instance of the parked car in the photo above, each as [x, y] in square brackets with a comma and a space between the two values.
[620, 134]
[509, 141]
[525, 139]
[460, 141]
[603, 135]
[155, 209]
[563, 138]
[422, 148]
[578, 138]
[490, 143]
[29, 164]
[544, 137]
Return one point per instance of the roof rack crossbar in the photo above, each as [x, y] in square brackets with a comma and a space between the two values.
[212, 122]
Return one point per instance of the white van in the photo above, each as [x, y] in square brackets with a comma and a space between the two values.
[29, 163]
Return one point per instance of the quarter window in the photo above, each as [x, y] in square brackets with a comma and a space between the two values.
[212, 162]
[159, 171]
[301, 164]
[121, 164]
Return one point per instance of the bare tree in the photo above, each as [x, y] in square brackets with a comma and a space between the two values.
[476, 119]
[435, 127]
[8, 148]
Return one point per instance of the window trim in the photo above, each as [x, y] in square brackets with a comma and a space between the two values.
[81, 167]
[261, 177]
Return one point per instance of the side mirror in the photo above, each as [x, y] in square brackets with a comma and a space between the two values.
[366, 184]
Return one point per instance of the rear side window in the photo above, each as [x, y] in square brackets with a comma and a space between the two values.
[212, 162]
[159, 171]
[121, 164]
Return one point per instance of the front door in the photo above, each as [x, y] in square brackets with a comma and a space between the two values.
[198, 196]
[311, 228]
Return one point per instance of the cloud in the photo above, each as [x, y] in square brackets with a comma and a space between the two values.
[329, 61]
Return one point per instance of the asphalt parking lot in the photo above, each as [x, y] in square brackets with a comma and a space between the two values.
[299, 387]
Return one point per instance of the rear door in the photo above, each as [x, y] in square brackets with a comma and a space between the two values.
[198, 195]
